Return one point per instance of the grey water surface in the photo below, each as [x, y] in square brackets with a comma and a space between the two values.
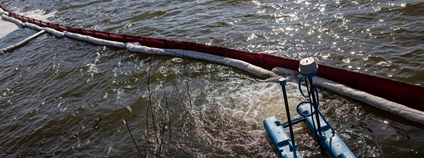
[61, 97]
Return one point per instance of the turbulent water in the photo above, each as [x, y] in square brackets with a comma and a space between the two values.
[65, 98]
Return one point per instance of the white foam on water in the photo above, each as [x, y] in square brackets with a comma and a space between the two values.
[252, 104]
[38, 14]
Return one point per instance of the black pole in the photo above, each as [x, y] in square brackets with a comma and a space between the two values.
[315, 104]
[283, 85]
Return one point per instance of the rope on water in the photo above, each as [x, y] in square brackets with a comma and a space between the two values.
[22, 42]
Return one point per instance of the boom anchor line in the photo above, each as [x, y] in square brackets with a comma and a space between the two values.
[21, 42]
[309, 113]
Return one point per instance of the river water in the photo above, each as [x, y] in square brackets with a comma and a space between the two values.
[65, 98]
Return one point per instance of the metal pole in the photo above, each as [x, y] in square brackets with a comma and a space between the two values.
[283, 85]
[314, 102]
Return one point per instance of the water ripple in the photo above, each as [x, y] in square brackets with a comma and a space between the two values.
[61, 97]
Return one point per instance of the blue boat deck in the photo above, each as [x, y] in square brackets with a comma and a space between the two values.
[333, 144]
[280, 138]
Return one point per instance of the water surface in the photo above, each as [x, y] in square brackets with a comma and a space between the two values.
[61, 97]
